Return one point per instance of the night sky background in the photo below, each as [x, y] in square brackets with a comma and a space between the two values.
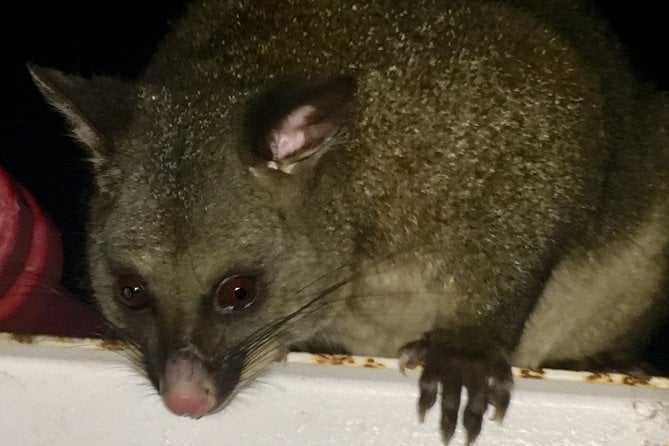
[118, 37]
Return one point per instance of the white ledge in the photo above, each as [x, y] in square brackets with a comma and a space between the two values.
[74, 392]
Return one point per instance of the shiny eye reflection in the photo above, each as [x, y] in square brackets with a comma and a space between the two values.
[131, 293]
[240, 293]
[236, 293]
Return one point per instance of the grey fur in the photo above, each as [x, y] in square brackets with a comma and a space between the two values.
[489, 145]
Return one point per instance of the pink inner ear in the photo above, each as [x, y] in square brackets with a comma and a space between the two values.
[288, 144]
[291, 135]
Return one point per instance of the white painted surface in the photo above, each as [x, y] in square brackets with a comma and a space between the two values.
[57, 394]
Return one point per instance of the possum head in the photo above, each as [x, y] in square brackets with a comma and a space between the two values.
[204, 248]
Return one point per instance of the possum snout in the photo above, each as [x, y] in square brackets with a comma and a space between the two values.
[187, 388]
[192, 387]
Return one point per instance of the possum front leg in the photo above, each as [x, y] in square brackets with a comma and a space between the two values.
[452, 360]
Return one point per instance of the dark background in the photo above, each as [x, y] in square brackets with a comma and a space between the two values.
[117, 37]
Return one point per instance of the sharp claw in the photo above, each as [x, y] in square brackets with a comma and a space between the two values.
[421, 415]
[472, 423]
[446, 439]
[410, 356]
[499, 399]
[448, 426]
[406, 362]
[498, 415]
[428, 396]
[402, 366]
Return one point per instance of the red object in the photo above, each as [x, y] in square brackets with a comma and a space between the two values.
[31, 262]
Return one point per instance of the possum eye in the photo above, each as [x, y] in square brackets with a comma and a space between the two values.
[236, 293]
[131, 292]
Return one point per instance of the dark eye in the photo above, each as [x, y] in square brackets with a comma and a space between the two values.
[131, 292]
[236, 293]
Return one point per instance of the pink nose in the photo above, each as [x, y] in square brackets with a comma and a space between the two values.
[186, 388]
[189, 403]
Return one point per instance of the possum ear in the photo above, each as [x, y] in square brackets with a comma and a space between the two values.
[96, 109]
[295, 123]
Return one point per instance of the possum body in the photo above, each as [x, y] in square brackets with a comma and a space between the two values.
[465, 184]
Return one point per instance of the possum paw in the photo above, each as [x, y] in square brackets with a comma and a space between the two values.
[484, 371]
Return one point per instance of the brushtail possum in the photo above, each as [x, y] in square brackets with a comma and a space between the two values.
[464, 184]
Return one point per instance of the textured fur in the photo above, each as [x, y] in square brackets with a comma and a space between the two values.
[499, 172]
